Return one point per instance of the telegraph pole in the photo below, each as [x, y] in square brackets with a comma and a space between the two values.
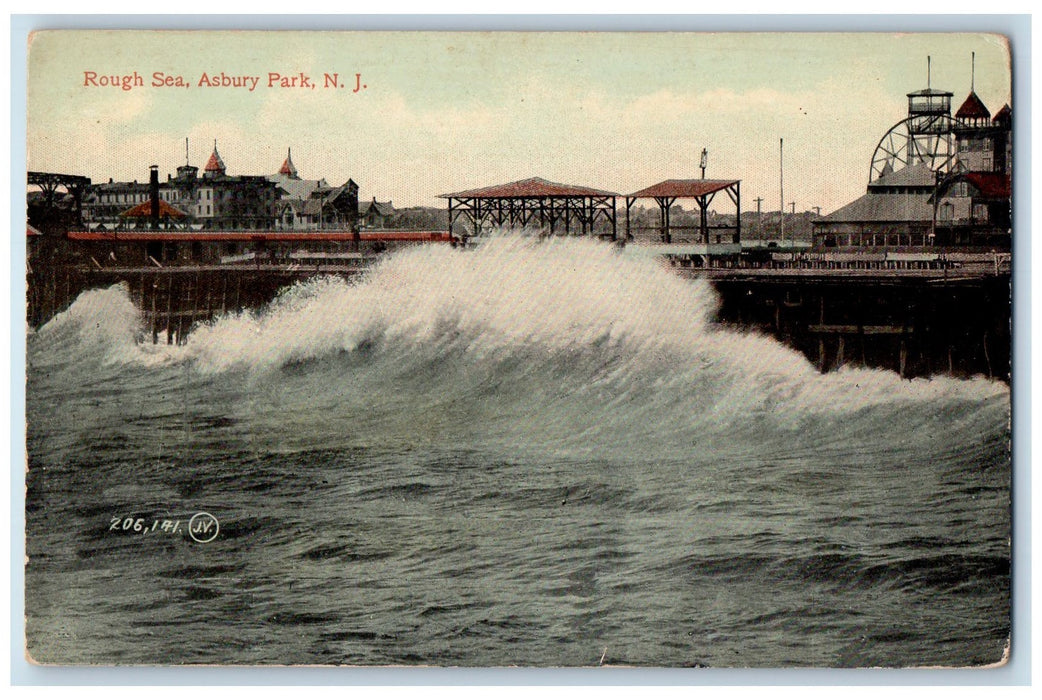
[781, 187]
[759, 218]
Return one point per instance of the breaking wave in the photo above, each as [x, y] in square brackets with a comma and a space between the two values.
[563, 343]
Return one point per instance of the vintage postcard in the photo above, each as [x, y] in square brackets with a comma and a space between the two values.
[518, 349]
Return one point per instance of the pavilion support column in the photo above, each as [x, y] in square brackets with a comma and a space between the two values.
[738, 216]
[663, 226]
[703, 222]
[667, 204]
[614, 218]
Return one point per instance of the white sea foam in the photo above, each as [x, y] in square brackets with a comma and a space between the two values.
[556, 337]
[100, 323]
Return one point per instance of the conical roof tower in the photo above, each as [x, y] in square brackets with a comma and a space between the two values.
[288, 169]
[214, 166]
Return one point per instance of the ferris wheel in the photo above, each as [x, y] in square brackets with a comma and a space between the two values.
[915, 140]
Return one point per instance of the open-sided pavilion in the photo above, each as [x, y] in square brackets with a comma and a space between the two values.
[535, 202]
[667, 192]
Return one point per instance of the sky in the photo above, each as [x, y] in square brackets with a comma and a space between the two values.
[444, 112]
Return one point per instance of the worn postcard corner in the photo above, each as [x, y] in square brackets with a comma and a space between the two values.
[497, 349]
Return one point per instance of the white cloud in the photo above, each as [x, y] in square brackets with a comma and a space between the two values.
[432, 121]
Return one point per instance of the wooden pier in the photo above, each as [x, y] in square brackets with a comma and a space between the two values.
[916, 313]
[174, 299]
[915, 324]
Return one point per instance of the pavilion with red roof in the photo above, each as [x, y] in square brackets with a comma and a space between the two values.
[534, 202]
[667, 192]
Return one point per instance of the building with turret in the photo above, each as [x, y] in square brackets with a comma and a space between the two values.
[233, 202]
[935, 180]
[971, 204]
[313, 205]
[215, 200]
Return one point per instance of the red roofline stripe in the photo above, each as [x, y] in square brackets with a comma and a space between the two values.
[684, 188]
[284, 236]
[533, 187]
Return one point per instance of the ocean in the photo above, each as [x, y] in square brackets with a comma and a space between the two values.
[527, 454]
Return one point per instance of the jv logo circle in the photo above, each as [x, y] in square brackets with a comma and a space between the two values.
[203, 527]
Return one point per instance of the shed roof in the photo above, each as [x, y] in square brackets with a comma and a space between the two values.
[685, 188]
[532, 187]
[878, 207]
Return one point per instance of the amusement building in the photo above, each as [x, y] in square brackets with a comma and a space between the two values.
[935, 180]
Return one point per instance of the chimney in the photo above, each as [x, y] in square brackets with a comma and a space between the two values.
[153, 183]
